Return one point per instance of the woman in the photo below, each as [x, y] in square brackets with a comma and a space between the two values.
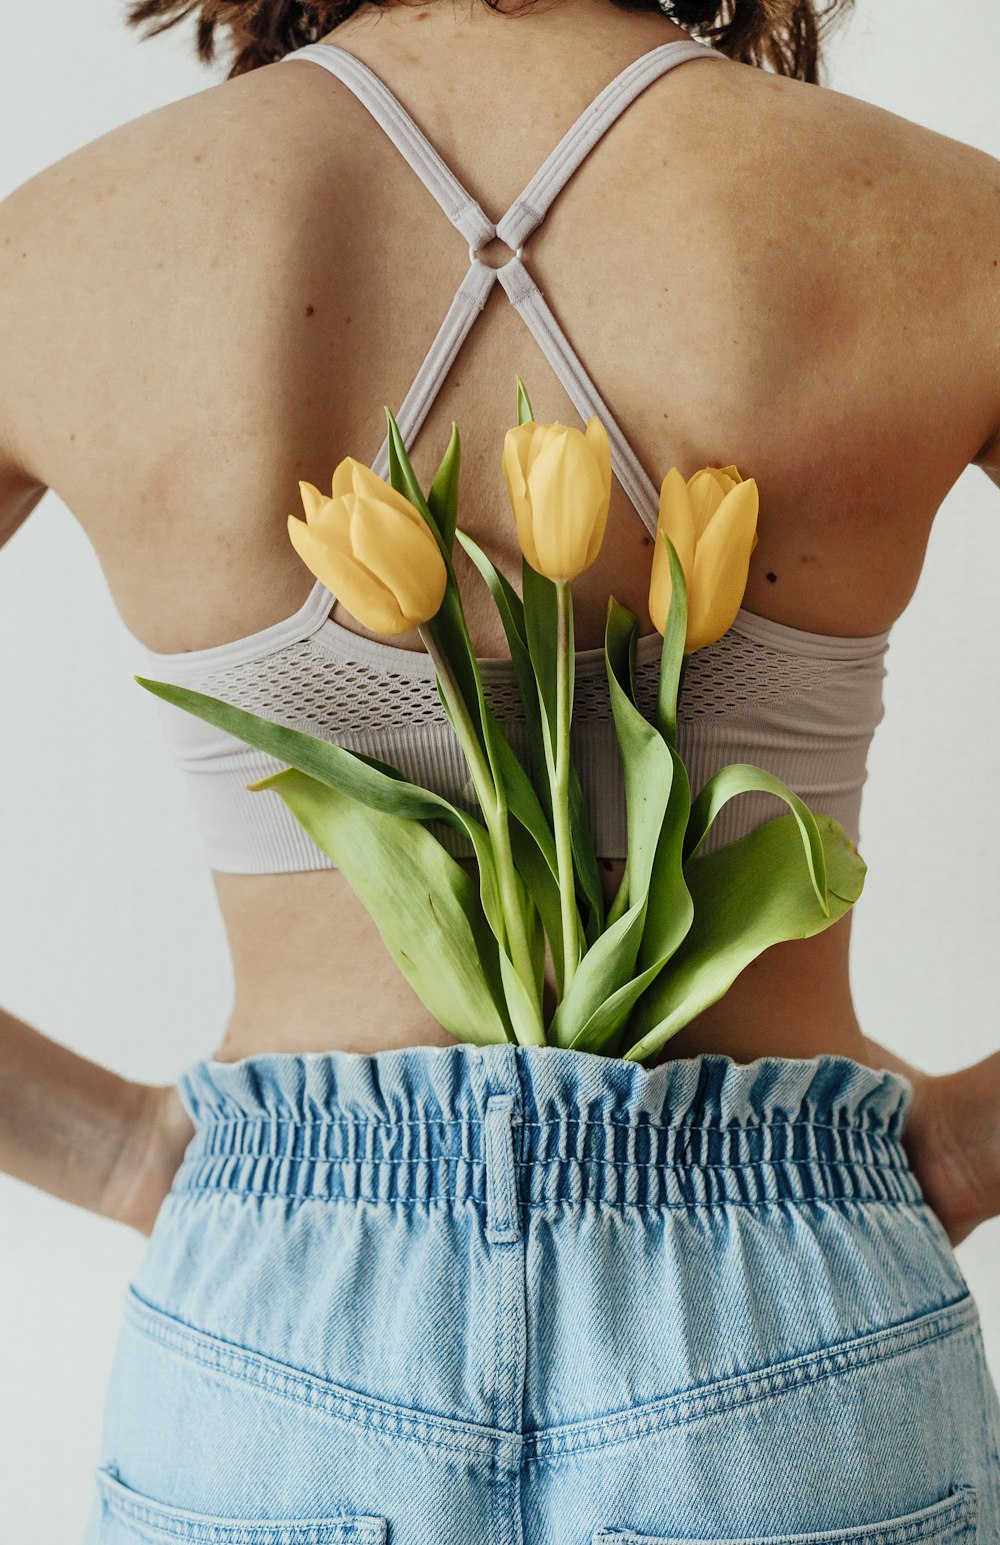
[400, 1287]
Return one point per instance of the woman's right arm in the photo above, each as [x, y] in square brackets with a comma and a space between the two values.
[83, 1133]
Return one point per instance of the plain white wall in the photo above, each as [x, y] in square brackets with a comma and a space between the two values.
[103, 891]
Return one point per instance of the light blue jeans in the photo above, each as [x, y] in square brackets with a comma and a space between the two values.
[503, 1295]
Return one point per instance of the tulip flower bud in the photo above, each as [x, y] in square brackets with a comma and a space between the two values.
[712, 522]
[372, 548]
[559, 482]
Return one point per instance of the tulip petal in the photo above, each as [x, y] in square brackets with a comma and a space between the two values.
[676, 519]
[596, 437]
[343, 477]
[308, 546]
[312, 500]
[370, 602]
[566, 497]
[331, 521]
[721, 564]
[360, 592]
[368, 485]
[402, 554]
[513, 467]
[706, 490]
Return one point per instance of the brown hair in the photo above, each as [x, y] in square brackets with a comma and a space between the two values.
[780, 35]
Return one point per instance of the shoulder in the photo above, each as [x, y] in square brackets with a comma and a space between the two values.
[909, 214]
[126, 240]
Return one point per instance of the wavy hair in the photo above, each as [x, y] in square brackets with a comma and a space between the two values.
[782, 36]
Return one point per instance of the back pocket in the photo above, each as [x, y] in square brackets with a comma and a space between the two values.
[128, 1518]
[954, 1518]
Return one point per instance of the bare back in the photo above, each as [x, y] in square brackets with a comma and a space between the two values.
[218, 299]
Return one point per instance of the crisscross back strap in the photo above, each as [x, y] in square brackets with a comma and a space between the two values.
[526, 212]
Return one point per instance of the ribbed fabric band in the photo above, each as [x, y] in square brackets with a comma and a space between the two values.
[411, 1125]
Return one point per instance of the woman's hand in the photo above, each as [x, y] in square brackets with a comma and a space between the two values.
[159, 1133]
[84, 1133]
[952, 1139]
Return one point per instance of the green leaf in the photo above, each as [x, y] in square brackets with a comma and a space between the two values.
[521, 1010]
[619, 902]
[364, 778]
[403, 478]
[605, 967]
[668, 916]
[670, 909]
[585, 861]
[524, 413]
[741, 778]
[374, 783]
[540, 626]
[672, 653]
[609, 964]
[747, 896]
[511, 611]
[422, 902]
[635, 947]
[599, 1033]
[443, 497]
[647, 765]
[543, 887]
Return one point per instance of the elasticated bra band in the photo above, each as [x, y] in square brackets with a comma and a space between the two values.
[412, 1125]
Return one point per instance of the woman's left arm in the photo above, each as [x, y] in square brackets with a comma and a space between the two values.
[952, 1138]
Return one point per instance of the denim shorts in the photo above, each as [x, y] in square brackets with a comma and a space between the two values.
[512, 1295]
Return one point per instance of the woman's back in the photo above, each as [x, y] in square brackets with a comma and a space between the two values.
[217, 300]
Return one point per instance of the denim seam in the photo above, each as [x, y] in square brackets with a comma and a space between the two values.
[355, 1527]
[781, 1378]
[265, 1372]
[809, 1160]
[937, 1522]
[555, 1121]
[546, 1206]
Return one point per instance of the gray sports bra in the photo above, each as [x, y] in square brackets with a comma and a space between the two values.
[803, 705]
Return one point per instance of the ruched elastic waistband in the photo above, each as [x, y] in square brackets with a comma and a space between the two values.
[423, 1123]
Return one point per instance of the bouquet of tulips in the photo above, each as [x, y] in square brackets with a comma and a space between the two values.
[681, 926]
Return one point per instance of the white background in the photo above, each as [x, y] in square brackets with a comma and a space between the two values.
[110, 937]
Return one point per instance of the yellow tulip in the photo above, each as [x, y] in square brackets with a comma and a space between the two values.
[372, 548]
[559, 482]
[712, 521]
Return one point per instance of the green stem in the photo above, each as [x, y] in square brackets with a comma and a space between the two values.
[494, 808]
[565, 670]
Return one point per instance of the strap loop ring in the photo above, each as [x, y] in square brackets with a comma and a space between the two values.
[474, 256]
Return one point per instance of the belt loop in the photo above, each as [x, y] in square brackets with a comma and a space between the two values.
[502, 1219]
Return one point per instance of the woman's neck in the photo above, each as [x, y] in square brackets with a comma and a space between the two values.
[440, 26]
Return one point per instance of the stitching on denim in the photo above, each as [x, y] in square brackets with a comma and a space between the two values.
[873, 1200]
[568, 1119]
[265, 1372]
[945, 1520]
[809, 1161]
[749, 1389]
[362, 1528]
